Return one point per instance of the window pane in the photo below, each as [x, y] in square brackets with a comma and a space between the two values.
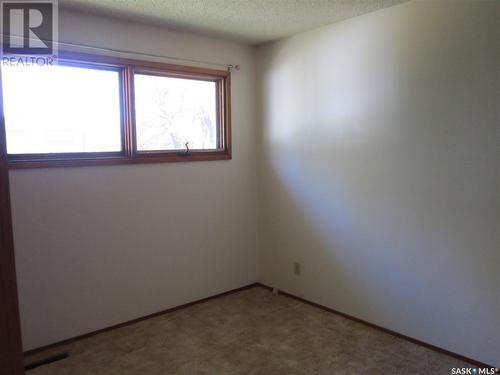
[51, 109]
[172, 111]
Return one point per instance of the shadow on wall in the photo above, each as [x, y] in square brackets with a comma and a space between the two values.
[320, 222]
[358, 255]
[378, 171]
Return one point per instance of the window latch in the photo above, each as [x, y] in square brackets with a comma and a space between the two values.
[187, 152]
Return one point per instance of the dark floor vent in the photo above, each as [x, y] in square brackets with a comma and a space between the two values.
[46, 361]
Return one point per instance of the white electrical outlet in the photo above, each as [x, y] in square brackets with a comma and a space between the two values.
[296, 268]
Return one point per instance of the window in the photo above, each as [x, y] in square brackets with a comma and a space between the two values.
[172, 111]
[98, 110]
[58, 109]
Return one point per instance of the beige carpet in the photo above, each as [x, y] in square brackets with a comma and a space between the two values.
[249, 332]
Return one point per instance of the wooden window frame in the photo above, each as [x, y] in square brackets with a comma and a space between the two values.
[129, 153]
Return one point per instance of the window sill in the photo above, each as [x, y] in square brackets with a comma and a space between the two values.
[139, 158]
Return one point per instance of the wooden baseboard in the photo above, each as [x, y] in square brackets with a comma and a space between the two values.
[129, 322]
[386, 330]
[350, 317]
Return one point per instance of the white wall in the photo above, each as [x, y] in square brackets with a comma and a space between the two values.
[380, 170]
[96, 246]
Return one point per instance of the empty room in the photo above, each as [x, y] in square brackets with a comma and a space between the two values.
[249, 187]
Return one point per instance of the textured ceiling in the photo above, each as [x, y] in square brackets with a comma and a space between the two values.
[249, 21]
